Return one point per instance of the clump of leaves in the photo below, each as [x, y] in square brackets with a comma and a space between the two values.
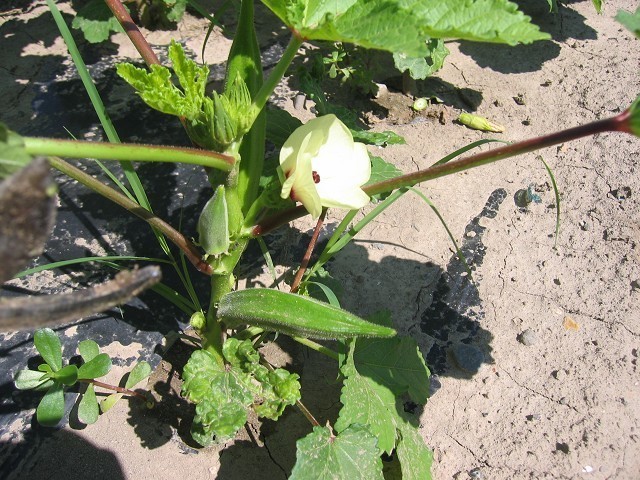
[52, 378]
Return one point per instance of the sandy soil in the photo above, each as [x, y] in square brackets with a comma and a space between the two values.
[557, 323]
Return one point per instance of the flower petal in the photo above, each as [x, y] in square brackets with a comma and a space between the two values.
[342, 196]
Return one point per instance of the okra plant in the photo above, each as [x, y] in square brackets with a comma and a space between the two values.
[321, 164]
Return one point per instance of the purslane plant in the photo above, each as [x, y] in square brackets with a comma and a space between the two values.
[321, 166]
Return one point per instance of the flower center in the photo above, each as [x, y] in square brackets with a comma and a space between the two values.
[316, 177]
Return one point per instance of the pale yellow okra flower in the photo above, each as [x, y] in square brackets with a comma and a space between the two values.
[324, 167]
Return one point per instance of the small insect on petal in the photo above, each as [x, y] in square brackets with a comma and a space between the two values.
[477, 122]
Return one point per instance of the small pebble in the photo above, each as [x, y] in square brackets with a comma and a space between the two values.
[476, 473]
[527, 337]
[563, 401]
[299, 101]
[468, 357]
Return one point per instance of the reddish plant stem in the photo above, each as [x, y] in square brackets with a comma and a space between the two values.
[133, 32]
[182, 242]
[125, 391]
[307, 255]
[619, 123]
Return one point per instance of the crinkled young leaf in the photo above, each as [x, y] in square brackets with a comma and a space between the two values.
[422, 67]
[414, 455]
[88, 350]
[51, 408]
[630, 20]
[273, 390]
[352, 454]
[222, 397]
[96, 21]
[88, 409]
[48, 345]
[158, 91]
[32, 380]
[97, 367]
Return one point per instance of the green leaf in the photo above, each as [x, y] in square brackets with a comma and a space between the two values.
[51, 408]
[97, 367]
[108, 403]
[88, 409]
[422, 67]
[96, 21]
[494, 21]
[366, 402]
[280, 125]
[630, 20]
[352, 455]
[380, 139]
[141, 371]
[395, 363]
[598, 5]
[221, 396]
[414, 455]
[67, 375]
[13, 155]
[88, 350]
[381, 170]
[175, 9]
[32, 380]
[272, 390]
[404, 25]
[158, 91]
[634, 120]
[48, 345]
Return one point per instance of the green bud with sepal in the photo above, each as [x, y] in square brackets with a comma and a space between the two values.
[239, 99]
[213, 224]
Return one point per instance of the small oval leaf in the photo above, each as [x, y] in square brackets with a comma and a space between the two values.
[31, 380]
[141, 371]
[88, 409]
[51, 408]
[97, 367]
[88, 350]
[67, 375]
[48, 345]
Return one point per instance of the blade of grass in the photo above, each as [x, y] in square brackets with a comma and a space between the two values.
[465, 149]
[557, 194]
[109, 260]
[331, 297]
[459, 253]
[268, 260]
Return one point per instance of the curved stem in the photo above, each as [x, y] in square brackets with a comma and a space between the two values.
[132, 31]
[129, 152]
[318, 347]
[190, 250]
[307, 255]
[277, 73]
[126, 391]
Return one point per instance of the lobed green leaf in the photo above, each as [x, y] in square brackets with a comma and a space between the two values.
[352, 454]
[96, 21]
[630, 20]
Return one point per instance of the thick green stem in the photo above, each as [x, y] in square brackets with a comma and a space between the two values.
[212, 338]
[130, 152]
[270, 84]
[190, 250]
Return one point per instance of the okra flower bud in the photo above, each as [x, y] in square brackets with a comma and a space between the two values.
[479, 123]
[323, 167]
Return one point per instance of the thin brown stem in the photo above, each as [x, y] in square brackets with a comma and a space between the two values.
[307, 255]
[132, 31]
[182, 242]
[106, 386]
